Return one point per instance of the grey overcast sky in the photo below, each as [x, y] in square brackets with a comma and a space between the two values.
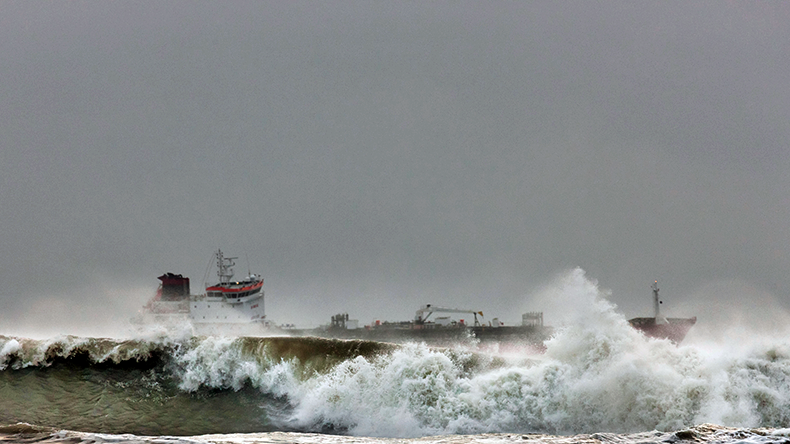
[370, 157]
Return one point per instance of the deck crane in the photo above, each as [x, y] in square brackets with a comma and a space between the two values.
[430, 309]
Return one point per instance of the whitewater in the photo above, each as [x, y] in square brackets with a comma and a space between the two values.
[599, 380]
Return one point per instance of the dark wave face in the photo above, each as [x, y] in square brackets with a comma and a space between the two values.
[149, 388]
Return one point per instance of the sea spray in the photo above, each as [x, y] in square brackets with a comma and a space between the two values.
[403, 394]
[213, 362]
[18, 353]
[597, 375]
[747, 388]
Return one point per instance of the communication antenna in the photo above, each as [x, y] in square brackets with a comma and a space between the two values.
[205, 273]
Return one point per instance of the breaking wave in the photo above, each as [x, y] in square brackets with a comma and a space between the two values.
[597, 375]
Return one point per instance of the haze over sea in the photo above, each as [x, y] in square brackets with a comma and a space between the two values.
[371, 157]
[599, 380]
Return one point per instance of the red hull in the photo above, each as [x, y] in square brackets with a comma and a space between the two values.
[675, 329]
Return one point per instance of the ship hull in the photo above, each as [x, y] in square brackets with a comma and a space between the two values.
[674, 329]
[228, 329]
[528, 336]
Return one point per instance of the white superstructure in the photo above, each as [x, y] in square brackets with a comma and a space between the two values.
[227, 307]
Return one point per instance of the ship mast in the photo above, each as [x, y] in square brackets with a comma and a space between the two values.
[656, 304]
[224, 264]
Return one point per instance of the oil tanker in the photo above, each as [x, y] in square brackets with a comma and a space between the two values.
[442, 330]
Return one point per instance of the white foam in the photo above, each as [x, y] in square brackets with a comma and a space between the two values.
[598, 374]
[9, 346]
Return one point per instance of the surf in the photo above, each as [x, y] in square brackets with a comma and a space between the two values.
[597, 374]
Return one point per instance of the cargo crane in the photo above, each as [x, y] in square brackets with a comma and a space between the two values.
[430, 309]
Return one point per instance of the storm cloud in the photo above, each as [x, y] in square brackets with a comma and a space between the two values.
[370, 157]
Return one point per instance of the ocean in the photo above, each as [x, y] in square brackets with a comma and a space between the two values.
[599, 380]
